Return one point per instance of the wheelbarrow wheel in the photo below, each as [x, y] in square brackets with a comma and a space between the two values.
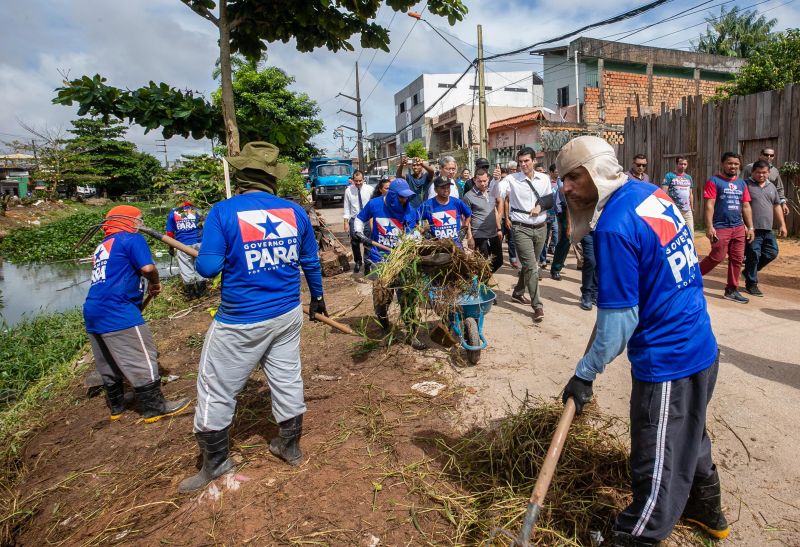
[473, 339]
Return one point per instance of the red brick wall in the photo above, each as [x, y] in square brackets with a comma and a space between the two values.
[621, 89]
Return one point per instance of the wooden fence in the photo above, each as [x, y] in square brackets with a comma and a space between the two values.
[703, 132]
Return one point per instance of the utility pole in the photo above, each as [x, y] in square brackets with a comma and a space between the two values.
[482, 125]
[161, 145]
[357, 114]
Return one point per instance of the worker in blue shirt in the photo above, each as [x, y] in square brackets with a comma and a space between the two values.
[260, 243]
[444, 213]
[122, 344]
[392, 216]
[650, 299]
[185, 224]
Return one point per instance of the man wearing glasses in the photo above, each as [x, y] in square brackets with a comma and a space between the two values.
[638, 168]
[768, 155]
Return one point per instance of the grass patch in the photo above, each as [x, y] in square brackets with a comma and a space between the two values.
[55, 241]
[40, 360]
[33, 348]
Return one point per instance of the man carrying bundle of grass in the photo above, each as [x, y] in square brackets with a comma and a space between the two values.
[392, 216]
[121, 341]
[650, 298]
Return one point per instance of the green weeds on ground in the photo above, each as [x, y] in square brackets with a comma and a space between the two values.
[55, 241]
[32, 348]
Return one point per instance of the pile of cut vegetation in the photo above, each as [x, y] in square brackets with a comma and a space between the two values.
[488, 475]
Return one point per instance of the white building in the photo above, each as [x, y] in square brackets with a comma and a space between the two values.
[507, 94]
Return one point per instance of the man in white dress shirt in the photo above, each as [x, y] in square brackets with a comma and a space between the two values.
[525, 200]
[355, 198]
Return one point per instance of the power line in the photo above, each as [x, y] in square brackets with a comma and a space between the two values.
[395, 56]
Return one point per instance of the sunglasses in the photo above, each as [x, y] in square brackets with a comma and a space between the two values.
[769, 155]
[640, 164]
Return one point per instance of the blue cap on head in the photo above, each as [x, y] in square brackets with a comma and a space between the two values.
[402, 188]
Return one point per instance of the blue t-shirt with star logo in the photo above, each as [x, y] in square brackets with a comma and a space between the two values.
[259, 242]
[115, 296]
[444, 220]
[646, 258]
[185, 222]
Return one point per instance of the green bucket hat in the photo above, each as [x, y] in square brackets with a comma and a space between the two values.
[260, 156]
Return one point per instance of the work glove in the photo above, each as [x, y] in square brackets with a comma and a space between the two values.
[171, 251]
[317, 306]
[580, 390]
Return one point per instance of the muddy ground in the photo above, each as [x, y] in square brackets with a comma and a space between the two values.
[367, 434]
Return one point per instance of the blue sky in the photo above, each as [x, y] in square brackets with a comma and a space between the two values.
[135, 41]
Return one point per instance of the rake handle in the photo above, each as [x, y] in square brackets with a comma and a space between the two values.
[546, 472]
[169, 241]
[193, 252]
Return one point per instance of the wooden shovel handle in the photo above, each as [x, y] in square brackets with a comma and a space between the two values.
[331, 323]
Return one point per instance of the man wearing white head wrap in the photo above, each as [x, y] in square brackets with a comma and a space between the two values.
[650, 299]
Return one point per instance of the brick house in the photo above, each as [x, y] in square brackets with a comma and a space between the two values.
[540, 129]
[615, 77]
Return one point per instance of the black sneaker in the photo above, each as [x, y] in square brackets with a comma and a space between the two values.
[736, 296]
[754, 290]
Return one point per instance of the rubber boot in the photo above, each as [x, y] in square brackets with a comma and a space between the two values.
[154, 406]
[704, 507]
[202, 288]
[382, 313]
[624, 539]
[214, 447]
[115, 399]
[287, 444]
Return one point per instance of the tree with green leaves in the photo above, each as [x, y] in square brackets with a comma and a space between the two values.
[736, 33]
[244, 26]
[267, 110]
[773, 66]
[103, 158]
[416, 149]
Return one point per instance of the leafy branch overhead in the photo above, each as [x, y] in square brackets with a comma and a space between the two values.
[245, 27]
[313, 24]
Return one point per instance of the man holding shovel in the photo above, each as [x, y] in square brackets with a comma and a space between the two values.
[121, 341]
[650, 298]
[259, 242]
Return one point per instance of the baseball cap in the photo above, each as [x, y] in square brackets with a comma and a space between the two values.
[438, 182]
[401, 187]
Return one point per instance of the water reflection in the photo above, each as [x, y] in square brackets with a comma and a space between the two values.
[32, 289]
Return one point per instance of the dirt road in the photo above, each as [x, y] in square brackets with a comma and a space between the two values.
[374, 470]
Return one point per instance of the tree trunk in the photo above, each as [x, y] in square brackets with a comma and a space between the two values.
[228, 111]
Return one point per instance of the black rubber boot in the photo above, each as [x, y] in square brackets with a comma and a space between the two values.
[115, 399]
[704, 507]
[154, 406]
[287, 444]
[214, 447]
[382, 313]
[202, 289]
[623, 539]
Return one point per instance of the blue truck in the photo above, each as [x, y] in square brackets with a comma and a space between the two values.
[328, 179]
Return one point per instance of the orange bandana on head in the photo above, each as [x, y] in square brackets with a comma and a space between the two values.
[120, 224]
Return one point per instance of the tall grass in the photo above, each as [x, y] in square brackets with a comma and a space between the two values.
[33, 347]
